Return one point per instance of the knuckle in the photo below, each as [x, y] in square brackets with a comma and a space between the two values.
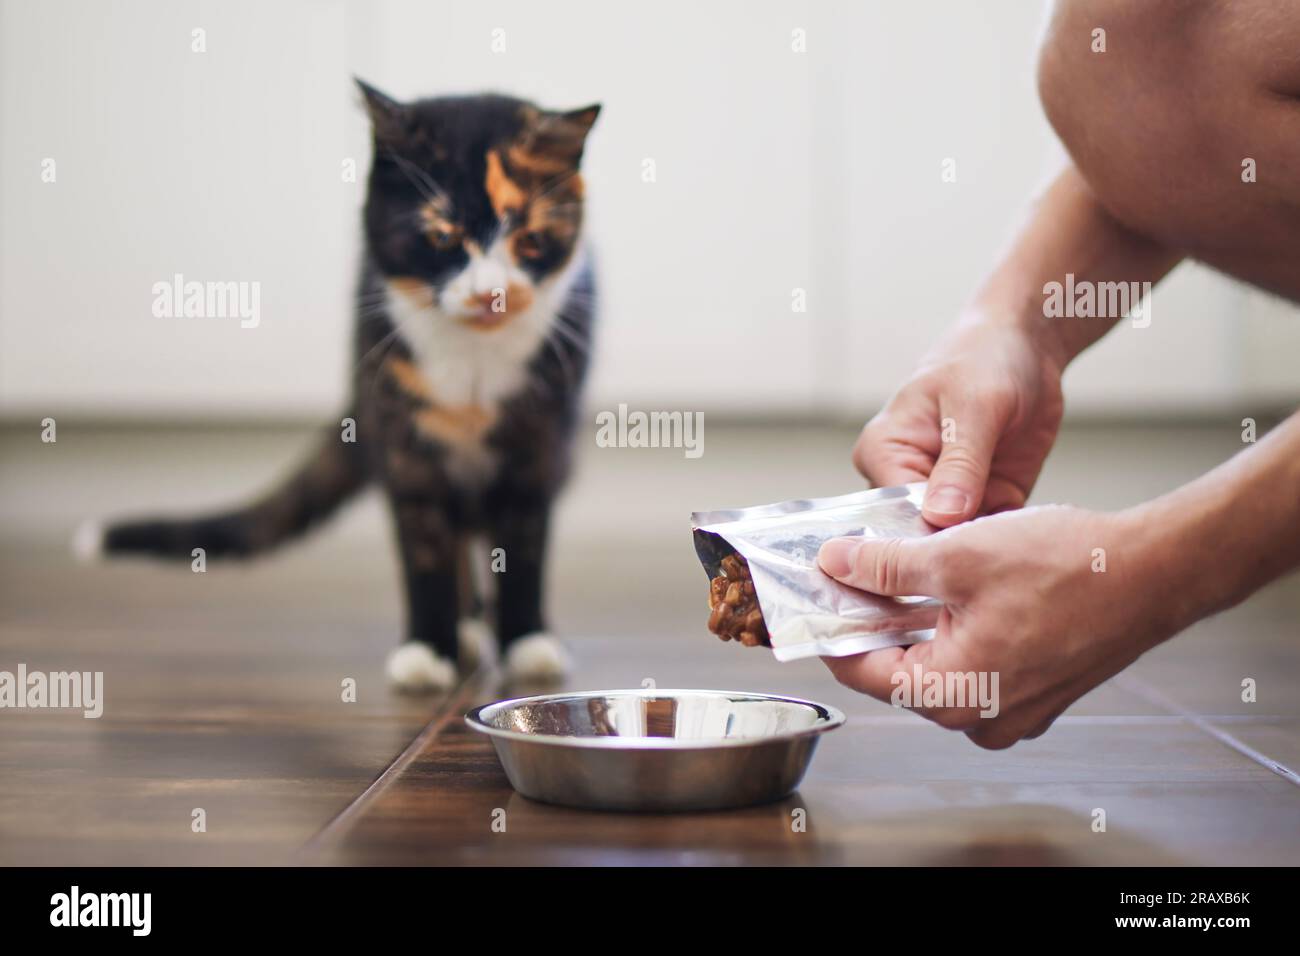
[998, 395]
[959, 458]
[953, 718]
[941, 568]
[949, 580]
[878, 568]
[872, 428]
[864, 449]
[950, 553]
[862, 457]
[952, 558]
[992, 738]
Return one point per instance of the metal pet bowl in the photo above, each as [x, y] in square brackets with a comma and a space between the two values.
[657, 750]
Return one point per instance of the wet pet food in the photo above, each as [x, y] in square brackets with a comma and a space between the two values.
[766, 590]
[734, 614]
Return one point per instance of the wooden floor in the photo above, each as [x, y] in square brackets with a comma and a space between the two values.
[224, 689]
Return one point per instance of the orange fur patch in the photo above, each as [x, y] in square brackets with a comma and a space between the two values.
[504, 193]
[555, 214]
[412, 288]
[408, 379]
[465, 425]
[449, 424]
[519, 298]
[537, 164]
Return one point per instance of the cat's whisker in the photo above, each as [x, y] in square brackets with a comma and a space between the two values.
[386, 342]
[539, 383]
[378, 310]
[563, 206]
[565, 367]
[580, 298]
[551, 185]
[380, 299]
[567, 339]
[551, 338]
[560, 321]
[573, 334]
[421, 180]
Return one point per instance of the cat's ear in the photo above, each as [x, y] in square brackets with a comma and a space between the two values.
[583, 118]
[389, 119]
[561, 135]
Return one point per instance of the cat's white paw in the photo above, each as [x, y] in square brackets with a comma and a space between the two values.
[415, 667]
[537, 658]
[88, 542]
[476, 642]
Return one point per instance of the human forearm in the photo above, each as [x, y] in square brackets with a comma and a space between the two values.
[1067, 231]
[1222, 537]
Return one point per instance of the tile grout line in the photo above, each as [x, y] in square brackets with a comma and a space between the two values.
[1077, 720]
[341, 821]
[1160, 699]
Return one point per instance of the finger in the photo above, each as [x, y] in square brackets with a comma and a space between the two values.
[871, 673]
[1065, 698]
[1002, 495]
[940, 656]
[887, 474]
[886, 461]
[890, 462]
[1039, 730]
[956, 485]
[1005, 731]
[894, 567]
[874, 673]
[1023, 722]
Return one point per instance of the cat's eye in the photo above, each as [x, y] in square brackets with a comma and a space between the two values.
[444, 238]
[529, 245]
[442, 233]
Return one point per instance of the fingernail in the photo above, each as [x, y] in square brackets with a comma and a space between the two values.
[836, 555]
[946, 501]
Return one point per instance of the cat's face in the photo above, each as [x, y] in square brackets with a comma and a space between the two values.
[475, 206]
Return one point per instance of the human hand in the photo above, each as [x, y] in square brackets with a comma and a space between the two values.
[1054, 600]
[975, 421]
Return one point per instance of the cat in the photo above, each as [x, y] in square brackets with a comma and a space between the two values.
[474, 315]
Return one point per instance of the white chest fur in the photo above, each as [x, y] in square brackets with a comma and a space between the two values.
[467, 369]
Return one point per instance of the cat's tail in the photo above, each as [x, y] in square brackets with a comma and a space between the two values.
[331, 474]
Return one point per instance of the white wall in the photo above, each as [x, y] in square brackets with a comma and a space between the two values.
[222, 165]
[775, 170]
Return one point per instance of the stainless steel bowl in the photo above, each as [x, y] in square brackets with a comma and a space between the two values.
[651, 749]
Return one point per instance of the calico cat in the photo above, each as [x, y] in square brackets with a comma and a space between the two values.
[474, 312]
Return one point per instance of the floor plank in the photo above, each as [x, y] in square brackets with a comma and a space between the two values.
[888, 788]
[223, 689]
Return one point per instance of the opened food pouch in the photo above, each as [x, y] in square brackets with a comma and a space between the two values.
[805, 613]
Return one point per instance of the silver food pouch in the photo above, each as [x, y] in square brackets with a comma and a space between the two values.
[806, 612]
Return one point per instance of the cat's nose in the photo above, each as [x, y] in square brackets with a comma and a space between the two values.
[485, 300]
[487, 310]
[493, 309]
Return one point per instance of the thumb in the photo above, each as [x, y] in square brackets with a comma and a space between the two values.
[894, 567]
[956, 485]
